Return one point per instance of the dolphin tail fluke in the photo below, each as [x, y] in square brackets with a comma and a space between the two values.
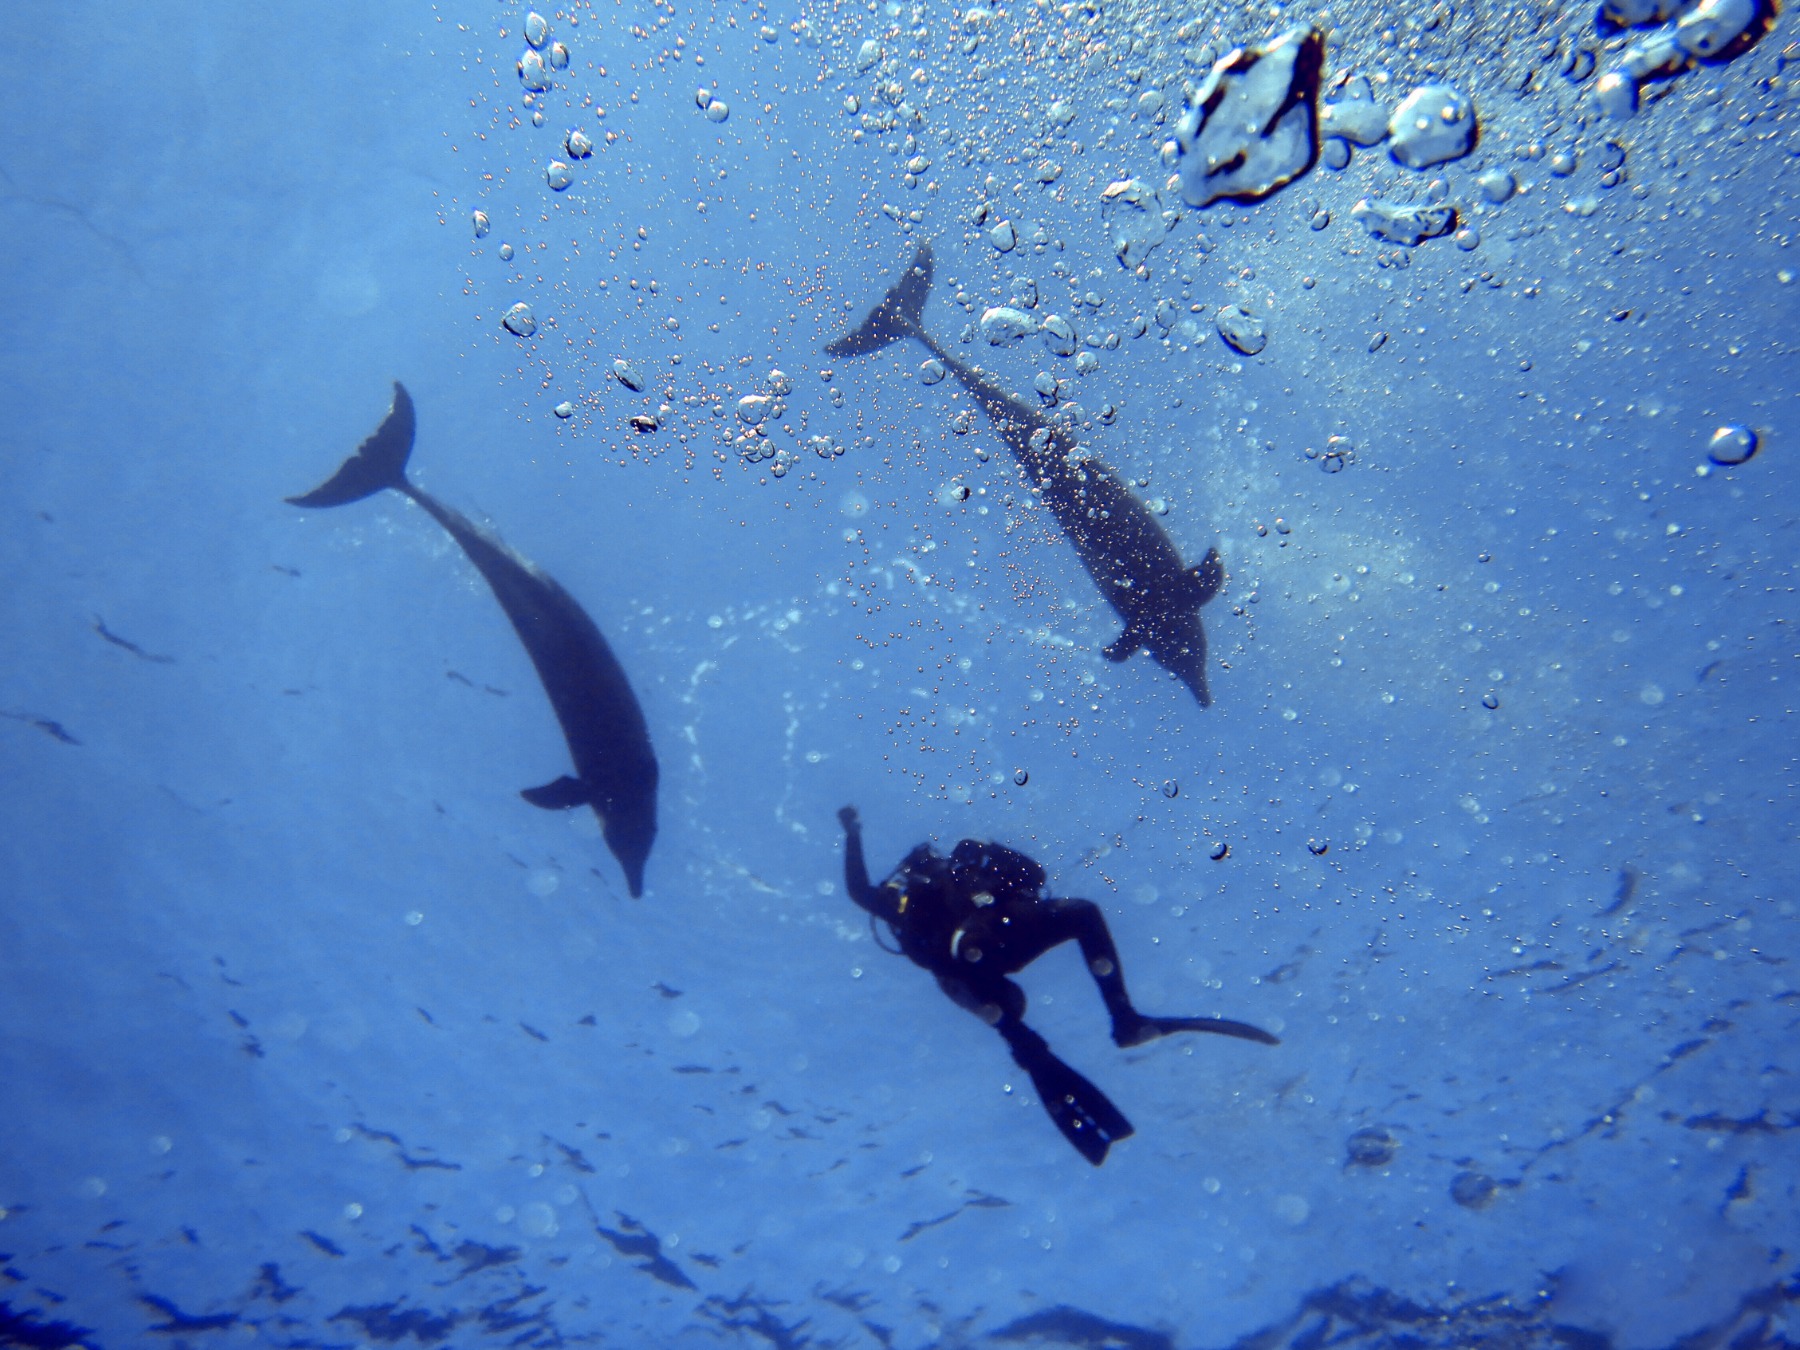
[1209, 576]
[897, 317]
[1187, 663]
[379, 462]
[562, 795]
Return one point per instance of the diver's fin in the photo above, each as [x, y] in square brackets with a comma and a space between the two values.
[1125, 644]
[1084, 1114]
[1209, 576]
[898, 314]
[1149, 1028]
[379, 462]
[564, 793]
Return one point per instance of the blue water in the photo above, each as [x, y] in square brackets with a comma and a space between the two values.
[312, 1033]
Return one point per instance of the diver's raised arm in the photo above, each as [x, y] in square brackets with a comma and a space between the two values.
[856, 869]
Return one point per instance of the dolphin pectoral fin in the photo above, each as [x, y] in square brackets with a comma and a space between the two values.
[1209, 576]
[564, 793]
[1128, 642]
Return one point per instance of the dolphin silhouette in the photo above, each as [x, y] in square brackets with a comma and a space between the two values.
[615, 768]
[1128, 554]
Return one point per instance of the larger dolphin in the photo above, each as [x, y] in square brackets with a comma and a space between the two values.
[615, 768]
[1131, 559]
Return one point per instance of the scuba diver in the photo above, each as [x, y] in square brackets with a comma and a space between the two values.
[976, 917]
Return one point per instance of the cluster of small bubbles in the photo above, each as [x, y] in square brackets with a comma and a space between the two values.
[779, 384]
[1337, 455]
[715, 108]
[824, 447]
[784, 460]
[520, 321]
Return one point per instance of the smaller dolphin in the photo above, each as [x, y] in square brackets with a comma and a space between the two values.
[615, 768]
[1130, 557]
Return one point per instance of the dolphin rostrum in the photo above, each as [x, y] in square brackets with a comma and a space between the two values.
[1131, 559]
[615, 768]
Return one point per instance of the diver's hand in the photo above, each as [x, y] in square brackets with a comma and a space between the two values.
[848, 818]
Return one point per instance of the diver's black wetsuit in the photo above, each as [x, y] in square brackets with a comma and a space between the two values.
[976, 917]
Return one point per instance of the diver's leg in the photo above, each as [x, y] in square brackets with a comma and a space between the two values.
[1084, 1114]
[1087, 1119]
[1083, 921]
[856, 869]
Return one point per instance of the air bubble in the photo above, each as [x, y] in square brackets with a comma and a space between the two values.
[1171, 788]
[558, 175]
[1732, 445]
[520, 321]
[533, 73]
[1219, 852]
[1021, 777]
